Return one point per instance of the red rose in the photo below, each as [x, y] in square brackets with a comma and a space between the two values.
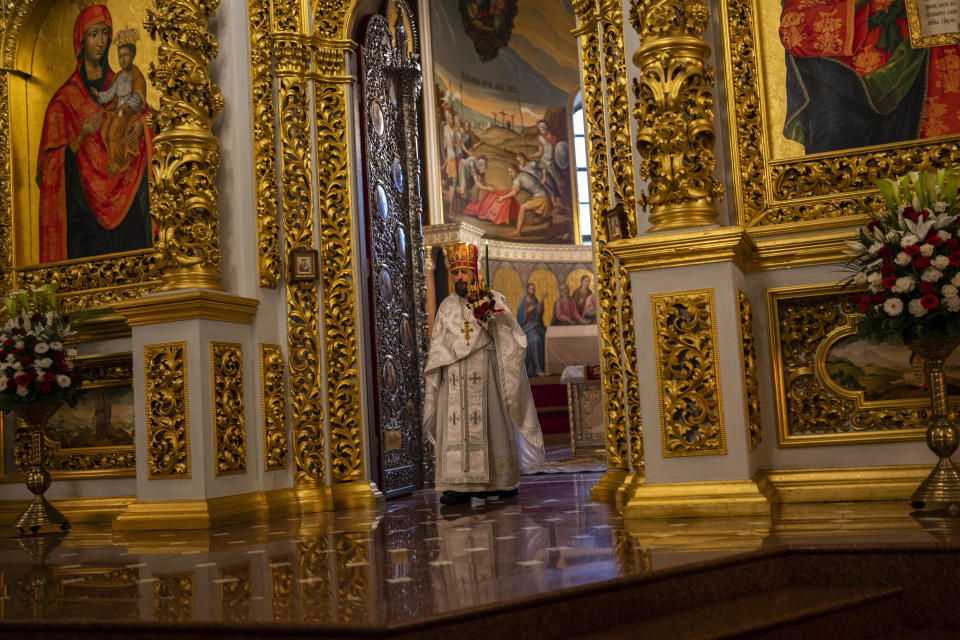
[44, 387]
[26, 361]
[926, 287]
[873, 224]
[855, 298]
[23, 379]
[925, 213]
[35, 317]
[884, 252]
[32, 374]
[879, 297]
[49, 377]
[921, 262]
[952, 244]
[930, 301]
[888, 282]
[864, 303]
[912, 250]
[15, 331]
[955, 258]
[887, 269]
[11, 383]
[56, 355]
[9, 341]
[934, 241]
[75, 377]
[62, 367]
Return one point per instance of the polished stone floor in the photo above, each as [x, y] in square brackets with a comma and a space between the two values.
[412, 560]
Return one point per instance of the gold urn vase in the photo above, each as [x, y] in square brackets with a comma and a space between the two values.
[39, 513]
[941, 489]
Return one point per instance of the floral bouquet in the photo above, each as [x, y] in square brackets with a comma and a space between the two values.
[908, 257]
[482, 302]
[35, 366]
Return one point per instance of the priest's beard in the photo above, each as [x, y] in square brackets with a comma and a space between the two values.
[460, 288]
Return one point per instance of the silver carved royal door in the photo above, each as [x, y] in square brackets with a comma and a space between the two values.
[391, 82]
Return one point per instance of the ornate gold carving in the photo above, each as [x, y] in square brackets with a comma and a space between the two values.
[354, 576]
[185, 161]
[174, 595]
[101, 460]
[270, 264]
[189, 305]
[813, 410]
[315, 579]
[274, 408]
[688, 374]
[751, 389]
[235, 593]
[827, 190]
[674, 113]
[229, 426]
[336, 259]
[168, 424]
[595, 119]
[282, 591]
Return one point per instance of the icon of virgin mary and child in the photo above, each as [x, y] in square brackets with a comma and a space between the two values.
[94, 157]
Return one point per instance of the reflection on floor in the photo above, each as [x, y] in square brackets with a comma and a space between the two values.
[412, 561]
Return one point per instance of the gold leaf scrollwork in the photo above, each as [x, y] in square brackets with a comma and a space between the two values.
[274, 410]
[185, 161]
[674, 113]
[751, 389]
[811, 409]
[229, 428]
[174, 595]
[168, 426]
[688, 375]
[264, 148]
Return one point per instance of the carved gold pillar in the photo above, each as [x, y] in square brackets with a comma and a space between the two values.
[674, 113]
[340, 324]
[185, 157]
[610, 167]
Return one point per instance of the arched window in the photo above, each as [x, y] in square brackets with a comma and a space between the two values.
[583, 182]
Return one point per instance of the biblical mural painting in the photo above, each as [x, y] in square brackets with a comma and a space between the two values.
[506, 74]
[88, 141]
[853, 79]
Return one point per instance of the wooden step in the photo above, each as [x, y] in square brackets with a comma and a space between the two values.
[748, 615]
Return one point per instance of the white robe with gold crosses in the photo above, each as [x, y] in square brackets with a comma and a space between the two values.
[478, 409]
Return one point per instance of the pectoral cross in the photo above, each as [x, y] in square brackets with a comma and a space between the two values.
[467, 330]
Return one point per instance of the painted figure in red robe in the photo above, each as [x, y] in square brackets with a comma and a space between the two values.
[84, 210]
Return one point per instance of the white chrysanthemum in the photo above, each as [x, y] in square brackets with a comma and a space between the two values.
[926, 250]
[908, 239]
[940, 262]
[22, 391]
[948, 290]
[71, 353]
[63, 381]
[944, 235]
[904, 285]
[953, 303]
[44, 363]
[902, 259]
[41, 347]
[893, 306]
[931, 274]
[56, 345]
[917, 310]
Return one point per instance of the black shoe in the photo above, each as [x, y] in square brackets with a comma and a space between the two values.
[512, 493]
[454, 497]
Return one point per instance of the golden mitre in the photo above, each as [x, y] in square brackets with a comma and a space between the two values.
[86, 4]
[126, 36]
[463, 255]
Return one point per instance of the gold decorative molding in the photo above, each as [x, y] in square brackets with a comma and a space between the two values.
[696, 500]
[77, 510]
[825, 247]
[850, 484]
[726, 244]
[751, 388]
[356, 495]
[174, 597]
[273, 406]
[183, 193]
[688, 374]
[167, 417]
[674, 113]
[269, 261]
[235, 593]
[196, 304]
[813, 410]
[159, 515]
[229, 422]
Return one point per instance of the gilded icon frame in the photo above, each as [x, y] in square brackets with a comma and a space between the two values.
[775, 195]
[95, 282]
[835, 319]
[112, 371]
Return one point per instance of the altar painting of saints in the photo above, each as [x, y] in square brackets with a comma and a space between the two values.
[95, 144]
[854, 80]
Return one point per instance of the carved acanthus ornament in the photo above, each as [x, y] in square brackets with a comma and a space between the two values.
[185, 161]
[751, 388]
[174, 597]
[674, 113]
[274, 410]
[168, 426]
[229, 424]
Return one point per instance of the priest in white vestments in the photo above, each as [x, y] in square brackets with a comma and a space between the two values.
[478, 410]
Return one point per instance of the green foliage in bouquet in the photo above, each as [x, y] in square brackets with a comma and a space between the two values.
[35, 364]
[908, 259]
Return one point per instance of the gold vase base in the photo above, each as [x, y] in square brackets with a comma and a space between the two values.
[940, 489]
[39, 514]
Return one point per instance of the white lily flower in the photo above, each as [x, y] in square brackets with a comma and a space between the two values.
[875, 248]
[940, 206]
[919, 228]
[942, 220]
